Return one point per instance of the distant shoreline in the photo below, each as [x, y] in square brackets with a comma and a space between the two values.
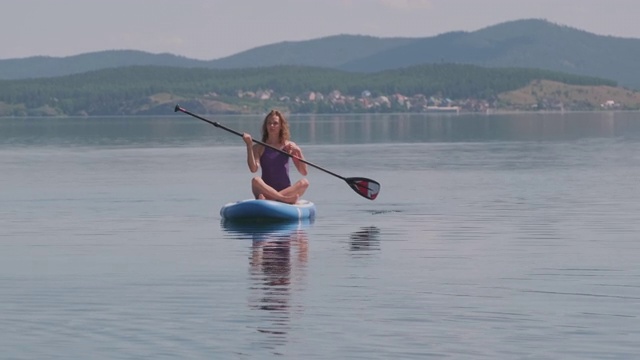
[425, 114]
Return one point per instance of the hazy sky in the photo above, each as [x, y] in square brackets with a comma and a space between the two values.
[211, 29]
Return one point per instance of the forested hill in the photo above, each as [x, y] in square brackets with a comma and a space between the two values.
[147, 90]
[524, 43]
[45, 66]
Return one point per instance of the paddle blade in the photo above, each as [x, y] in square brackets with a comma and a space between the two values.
[365, 187]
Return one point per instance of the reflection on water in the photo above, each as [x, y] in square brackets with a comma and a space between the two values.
[365, 239]
[321, 129]
[277, 266]
[481, 249]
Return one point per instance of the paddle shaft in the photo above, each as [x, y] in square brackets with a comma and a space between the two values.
[218, 125]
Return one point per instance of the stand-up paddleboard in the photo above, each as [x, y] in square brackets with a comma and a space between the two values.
[267, 210]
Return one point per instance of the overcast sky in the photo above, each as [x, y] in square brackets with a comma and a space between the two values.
[211, 29]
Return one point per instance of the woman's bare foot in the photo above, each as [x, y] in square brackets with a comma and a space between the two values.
[287, 199]
[290, 199]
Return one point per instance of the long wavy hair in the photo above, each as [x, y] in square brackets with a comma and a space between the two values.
[284, 127]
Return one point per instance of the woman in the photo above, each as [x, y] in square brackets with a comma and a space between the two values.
[274, 184]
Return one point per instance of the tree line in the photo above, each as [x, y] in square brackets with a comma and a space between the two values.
[120, 91]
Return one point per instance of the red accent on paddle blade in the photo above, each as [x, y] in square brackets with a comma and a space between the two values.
[365, 187]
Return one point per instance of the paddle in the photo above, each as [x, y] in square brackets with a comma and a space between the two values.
[364, 187]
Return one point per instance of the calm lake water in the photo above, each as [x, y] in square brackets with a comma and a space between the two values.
[494, 237]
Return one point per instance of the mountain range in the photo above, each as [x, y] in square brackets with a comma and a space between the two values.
[528, 43]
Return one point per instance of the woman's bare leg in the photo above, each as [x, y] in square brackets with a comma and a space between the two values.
[298, 188]
[263, 191]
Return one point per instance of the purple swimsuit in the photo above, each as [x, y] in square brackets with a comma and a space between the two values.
[275, 169]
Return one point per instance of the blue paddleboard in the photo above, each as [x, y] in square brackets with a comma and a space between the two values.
[267, 210]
